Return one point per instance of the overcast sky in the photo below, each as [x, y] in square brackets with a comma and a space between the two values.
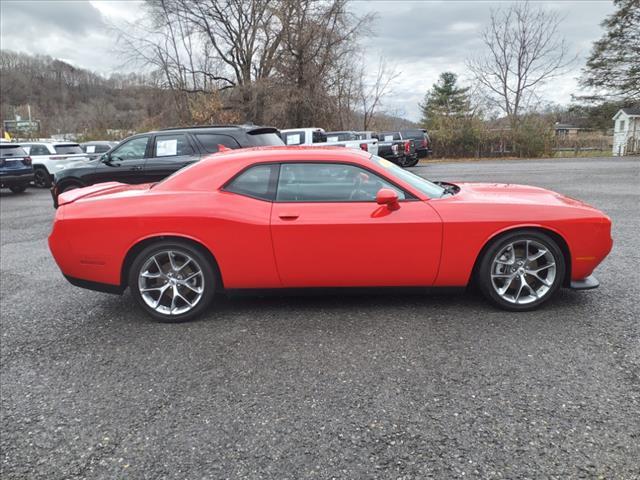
[420, 38]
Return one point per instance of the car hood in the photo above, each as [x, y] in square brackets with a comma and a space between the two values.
[508, 193]
[102, 190]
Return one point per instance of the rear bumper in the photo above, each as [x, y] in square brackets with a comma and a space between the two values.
[19, 179]
[98, 287]
[587, 283]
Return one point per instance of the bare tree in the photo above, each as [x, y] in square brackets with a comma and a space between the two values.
[319, 40]
[371, 93]
[524, 49]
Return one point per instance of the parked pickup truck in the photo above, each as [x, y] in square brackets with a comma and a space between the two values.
[394, 148]
[318, 137]
[421, 137]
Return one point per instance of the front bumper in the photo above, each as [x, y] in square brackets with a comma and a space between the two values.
[11, 180]
[587, 283]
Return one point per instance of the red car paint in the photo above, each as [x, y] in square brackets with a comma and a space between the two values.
[262, 244]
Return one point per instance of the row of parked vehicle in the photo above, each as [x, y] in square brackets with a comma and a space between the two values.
[38, 162]
[152, 156]
[404, 148]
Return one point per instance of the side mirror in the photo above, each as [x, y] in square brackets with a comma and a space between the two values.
[388, 197]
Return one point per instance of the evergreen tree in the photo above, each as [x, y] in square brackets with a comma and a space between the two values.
[445, 98]
[614, 63]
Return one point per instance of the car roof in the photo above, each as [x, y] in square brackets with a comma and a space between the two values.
[200, 128]
[49, 143]
[227, 162]
[288, 153]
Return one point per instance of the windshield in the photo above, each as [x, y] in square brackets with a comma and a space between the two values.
[68, 149]
[425, 186]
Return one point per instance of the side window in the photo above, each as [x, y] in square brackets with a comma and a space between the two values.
[258, 182]
[172, 146]
[210, 141]
[38, 150]
[293, 138]
[329, 182]
[132, 150]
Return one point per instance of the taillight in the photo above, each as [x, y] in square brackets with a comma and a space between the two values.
[26, 160]
[364, 147]
[407, 147]
[424, 142]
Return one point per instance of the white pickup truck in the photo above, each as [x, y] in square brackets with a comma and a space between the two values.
[319, 138]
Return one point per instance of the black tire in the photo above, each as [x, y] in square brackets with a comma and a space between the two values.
[18, 188]
[404, 161]
[413, 162]
[70, 186]
[41, 177]
[484, 271]
[202, 261]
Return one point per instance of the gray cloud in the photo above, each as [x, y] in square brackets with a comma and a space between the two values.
[421, 38]
[37, 17]
[425, 38]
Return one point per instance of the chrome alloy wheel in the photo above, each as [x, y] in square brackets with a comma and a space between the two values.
[171, 282]
[523, 271]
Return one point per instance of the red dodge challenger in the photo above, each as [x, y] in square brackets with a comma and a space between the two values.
[283, 217]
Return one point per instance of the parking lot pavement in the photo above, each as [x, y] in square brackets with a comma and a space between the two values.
[378, 386]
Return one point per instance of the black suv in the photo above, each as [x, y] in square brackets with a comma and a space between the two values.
[150, 157]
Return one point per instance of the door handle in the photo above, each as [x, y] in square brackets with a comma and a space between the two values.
[288, 216]
[136, 168]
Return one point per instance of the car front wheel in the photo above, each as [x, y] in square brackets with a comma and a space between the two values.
[172, 281]
[521, 270]
[69, 187]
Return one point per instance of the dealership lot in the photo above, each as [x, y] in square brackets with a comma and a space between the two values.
[359, 386]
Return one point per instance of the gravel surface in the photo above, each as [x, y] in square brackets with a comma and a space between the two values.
[364, 386]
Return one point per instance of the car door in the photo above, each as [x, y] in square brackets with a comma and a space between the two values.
[328, 230]
[125, 163]
[170, 153]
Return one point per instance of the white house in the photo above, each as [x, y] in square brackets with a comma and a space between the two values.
[626, 131]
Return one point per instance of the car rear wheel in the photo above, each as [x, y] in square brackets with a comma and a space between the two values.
[173, 281]
[18, 188]
[521, 270]
[41, 177]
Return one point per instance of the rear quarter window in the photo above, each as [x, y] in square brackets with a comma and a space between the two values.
[265, 139]
[69, 149]
[210, 141]
[258, 181]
